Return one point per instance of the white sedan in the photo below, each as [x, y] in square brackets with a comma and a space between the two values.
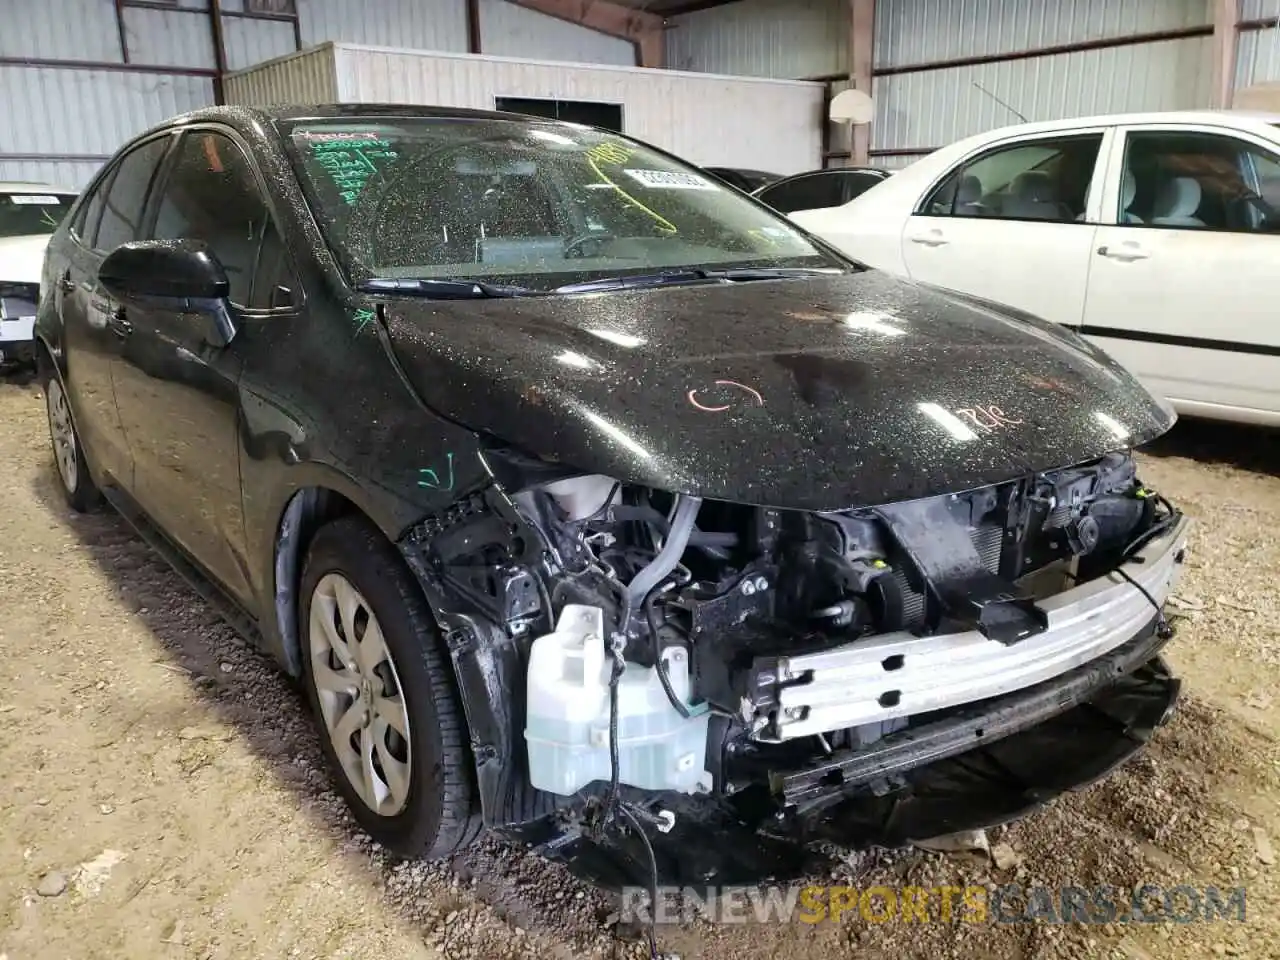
[1156, 235]
[29, 213]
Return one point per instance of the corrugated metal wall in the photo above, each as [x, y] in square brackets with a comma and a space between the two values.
[67, 29]
[307, 77]
[924, 108]
[511, 31]
[84, 114]
[421, 24]
[922, 31]
[253, 41]
[1258, 56]
[933, 107]
[936, 107]
[763, 38]
[59, 123]
[705, 118]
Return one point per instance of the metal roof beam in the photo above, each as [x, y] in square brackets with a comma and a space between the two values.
[615, 20]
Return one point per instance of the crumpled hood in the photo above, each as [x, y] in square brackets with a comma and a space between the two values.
[22, 258]
[821, 393]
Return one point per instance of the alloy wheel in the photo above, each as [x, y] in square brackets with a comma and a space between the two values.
[360, 696]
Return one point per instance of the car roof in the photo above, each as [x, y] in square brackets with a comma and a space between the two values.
[745, 171]
[29, 186]
[1228, 118]
[240, 115]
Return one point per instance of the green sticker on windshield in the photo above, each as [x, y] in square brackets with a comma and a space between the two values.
[350, 160]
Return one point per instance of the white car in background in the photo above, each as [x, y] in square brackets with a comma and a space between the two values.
[29, 213]
[1156, 235]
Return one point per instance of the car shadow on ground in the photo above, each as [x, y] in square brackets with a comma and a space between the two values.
[245, 690]
[12, 375]
[1247, 447]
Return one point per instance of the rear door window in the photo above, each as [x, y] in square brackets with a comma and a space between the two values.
[1042, 179]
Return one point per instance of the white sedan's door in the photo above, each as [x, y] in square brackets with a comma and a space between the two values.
[1014, 224]
[1180, 287]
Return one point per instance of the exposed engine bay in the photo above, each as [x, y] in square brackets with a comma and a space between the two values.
[670, 645]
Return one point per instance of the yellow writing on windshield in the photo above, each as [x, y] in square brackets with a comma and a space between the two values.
[611, 151]
[615, 152]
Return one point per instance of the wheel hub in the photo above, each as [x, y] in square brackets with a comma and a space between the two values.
[63, 433]
[359, 694]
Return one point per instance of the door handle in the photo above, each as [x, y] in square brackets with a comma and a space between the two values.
[1125, 253]
[119, 324]
[932, 238]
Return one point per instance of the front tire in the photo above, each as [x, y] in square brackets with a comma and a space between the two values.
[383, 695]
[69, 461]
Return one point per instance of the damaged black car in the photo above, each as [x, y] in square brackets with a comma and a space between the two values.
[593, 502]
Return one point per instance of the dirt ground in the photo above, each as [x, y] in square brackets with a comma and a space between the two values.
[163, 794]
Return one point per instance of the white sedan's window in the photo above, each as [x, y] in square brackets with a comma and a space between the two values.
[1045, 179]
[1199, 181]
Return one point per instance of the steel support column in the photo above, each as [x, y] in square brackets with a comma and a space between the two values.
[862, 31]
[1226, 40]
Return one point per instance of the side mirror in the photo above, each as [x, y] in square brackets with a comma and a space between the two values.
[182, 276]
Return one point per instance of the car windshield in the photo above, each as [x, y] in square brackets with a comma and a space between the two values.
[527, 203]
[32, 213]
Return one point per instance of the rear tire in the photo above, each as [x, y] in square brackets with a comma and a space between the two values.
[382, 690]
[70, 465]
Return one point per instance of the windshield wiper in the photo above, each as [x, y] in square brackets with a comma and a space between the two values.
[636, 281]
[443, 289]
[695, 275]
[741, 274]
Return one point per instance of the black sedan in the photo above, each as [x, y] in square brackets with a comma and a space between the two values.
[748, 181]
[582, 490]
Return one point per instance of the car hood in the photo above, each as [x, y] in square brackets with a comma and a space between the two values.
[22, 258]
[816, 394]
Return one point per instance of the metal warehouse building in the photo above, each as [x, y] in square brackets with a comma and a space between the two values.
[81, 76]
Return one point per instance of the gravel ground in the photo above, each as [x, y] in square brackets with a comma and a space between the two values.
[165, 795]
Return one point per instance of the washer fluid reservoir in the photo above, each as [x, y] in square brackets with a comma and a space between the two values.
[567, 719]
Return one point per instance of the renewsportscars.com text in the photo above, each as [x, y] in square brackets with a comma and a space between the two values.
[1011, 903]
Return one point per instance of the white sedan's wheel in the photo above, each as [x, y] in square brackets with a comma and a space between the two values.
[360, 695]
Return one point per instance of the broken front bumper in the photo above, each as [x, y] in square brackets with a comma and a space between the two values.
[995, 762]
[898, 674]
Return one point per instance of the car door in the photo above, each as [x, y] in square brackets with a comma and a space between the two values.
[177, 393]
[1181, 269]
[112, 215]
[1013, 223]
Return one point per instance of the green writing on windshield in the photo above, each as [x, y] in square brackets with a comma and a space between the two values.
[351, 161]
